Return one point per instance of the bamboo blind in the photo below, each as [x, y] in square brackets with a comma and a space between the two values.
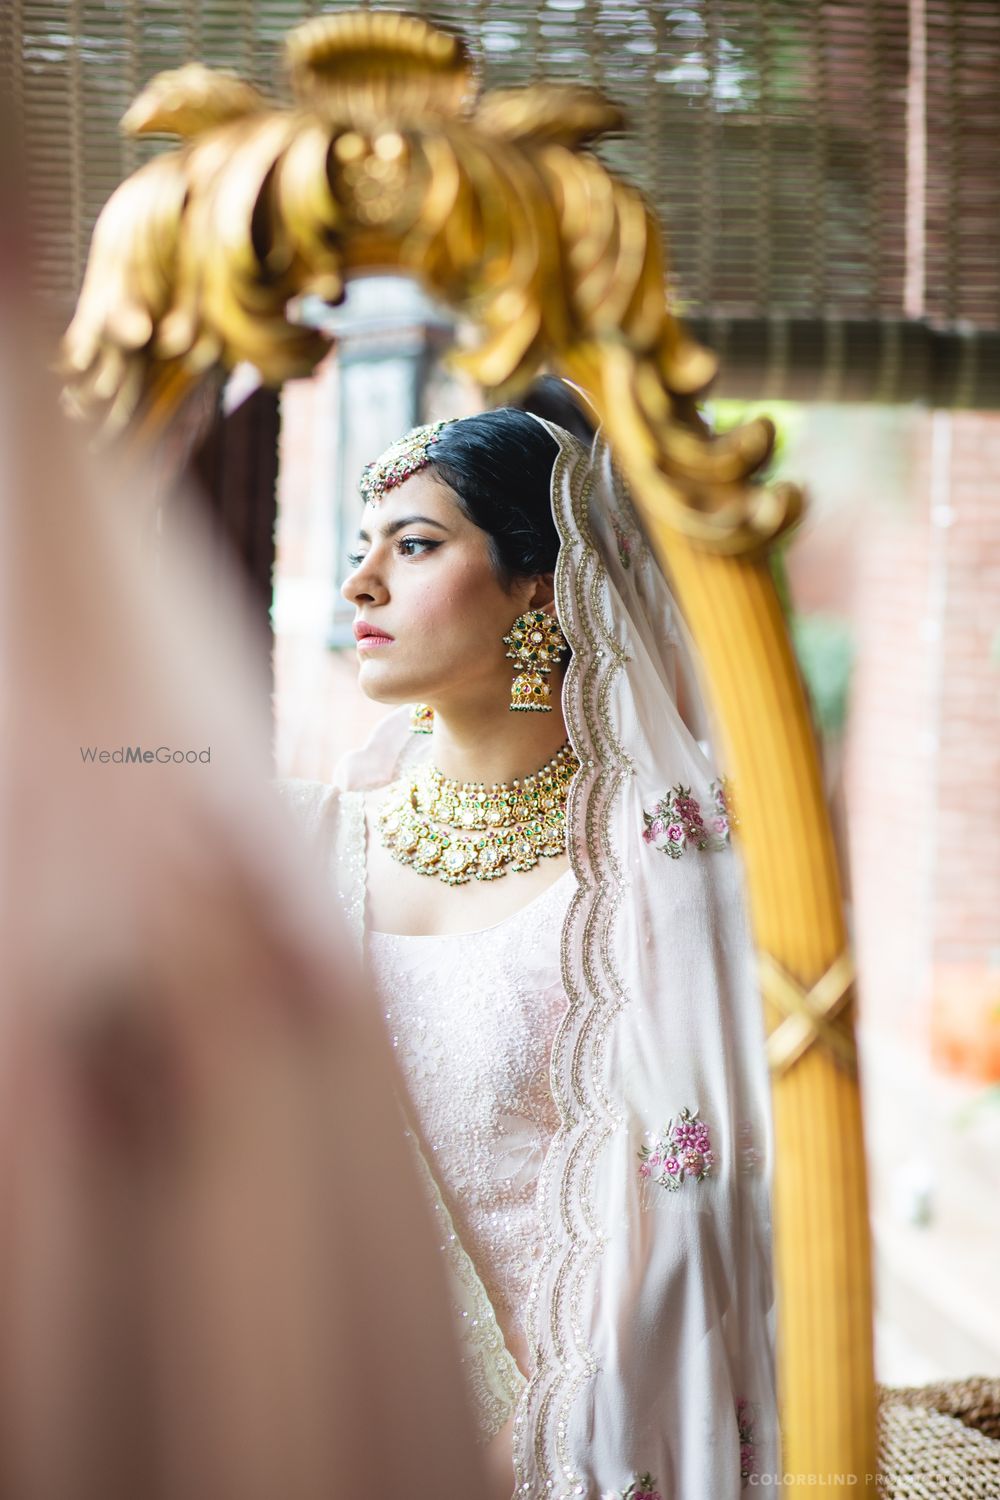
[829, 166]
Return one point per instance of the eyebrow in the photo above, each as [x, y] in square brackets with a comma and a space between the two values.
[394, 526]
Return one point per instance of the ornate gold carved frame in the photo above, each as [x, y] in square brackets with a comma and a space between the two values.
[392, 160]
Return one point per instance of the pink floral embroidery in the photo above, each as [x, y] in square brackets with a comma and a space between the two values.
[642, 1487]
[744, 1421]
[682, 1149]
[624, 544]
[677, 823]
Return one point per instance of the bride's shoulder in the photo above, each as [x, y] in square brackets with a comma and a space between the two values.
[309, 802]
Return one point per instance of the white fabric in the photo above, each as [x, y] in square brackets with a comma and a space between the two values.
[650, 1315]
[653, 1313]
[333, 817]
[472, 1016]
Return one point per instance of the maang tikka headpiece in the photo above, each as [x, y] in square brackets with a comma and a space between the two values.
[407, 455]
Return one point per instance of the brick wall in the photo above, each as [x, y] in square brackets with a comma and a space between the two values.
[920, 583]
[965, 977]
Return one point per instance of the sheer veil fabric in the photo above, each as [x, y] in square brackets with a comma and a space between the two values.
[650, 1318]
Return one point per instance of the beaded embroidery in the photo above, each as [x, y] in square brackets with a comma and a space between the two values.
[749, 1156]
[564, 1361]
[682, 1149]
[470, 1016]
[642, 1487]
[676, 822]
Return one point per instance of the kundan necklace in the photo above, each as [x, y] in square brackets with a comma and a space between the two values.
[463, 831]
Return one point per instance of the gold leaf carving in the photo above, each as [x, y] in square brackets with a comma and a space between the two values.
[563, 113]
[189, 100]
[389, 163]
[370, 66]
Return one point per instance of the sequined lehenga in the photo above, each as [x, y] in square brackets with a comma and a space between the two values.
[472, 1017]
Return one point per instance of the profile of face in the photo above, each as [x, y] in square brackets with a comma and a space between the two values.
[431, 610]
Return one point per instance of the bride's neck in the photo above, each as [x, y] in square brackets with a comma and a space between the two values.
[495, 744]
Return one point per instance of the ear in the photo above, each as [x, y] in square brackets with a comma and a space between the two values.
[544, 594]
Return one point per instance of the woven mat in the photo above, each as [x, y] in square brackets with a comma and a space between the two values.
[940, 1441]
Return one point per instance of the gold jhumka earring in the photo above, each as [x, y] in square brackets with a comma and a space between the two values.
[535, 643]
[421, 719]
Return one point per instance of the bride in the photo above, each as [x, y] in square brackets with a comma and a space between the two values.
[534, 854]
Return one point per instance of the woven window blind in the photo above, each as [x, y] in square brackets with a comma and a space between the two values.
[822, 167]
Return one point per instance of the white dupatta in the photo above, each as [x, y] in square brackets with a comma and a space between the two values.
[650, 1318]
[650, 1321]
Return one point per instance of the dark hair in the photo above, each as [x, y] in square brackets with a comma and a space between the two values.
[555, 400]
[499, 465]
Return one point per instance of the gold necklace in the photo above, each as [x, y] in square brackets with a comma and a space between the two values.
[463, 831]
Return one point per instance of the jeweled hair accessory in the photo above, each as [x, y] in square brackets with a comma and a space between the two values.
[407, 455]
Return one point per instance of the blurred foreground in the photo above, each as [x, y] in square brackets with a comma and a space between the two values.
[218, 1275]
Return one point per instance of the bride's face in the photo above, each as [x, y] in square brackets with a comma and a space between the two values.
[422, 580]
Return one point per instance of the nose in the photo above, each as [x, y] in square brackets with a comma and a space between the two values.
[363, 585]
